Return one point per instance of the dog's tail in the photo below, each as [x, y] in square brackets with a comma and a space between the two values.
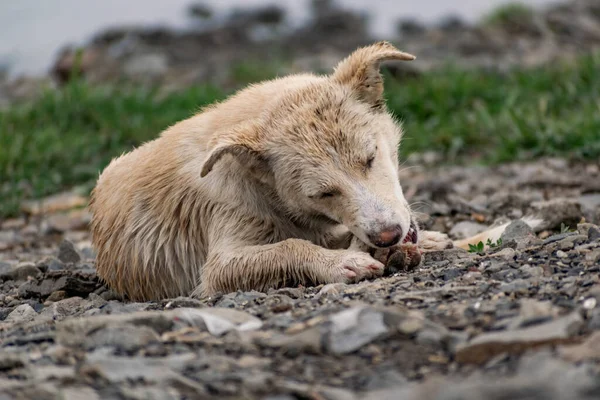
[493, 234]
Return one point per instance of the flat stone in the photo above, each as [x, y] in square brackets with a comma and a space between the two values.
[217, 321]
[586, 351]
[21, 272]
[516, 230]
[488, 345]
[79, 393]
[124, 337]
[67, 252]
[54, 203]
[353, 328]
[21, 314]
[593, 234]
[465, 229]
[558, 211]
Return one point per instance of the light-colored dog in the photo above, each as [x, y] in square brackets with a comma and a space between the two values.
[292, 181]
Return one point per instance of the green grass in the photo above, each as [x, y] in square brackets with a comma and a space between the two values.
[508, 13]
[67, 136]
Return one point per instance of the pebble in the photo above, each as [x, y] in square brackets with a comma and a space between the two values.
[484, 347]
[21, 314]
[67, 252]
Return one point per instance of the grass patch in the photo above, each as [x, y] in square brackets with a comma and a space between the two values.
[67, 136]
[508, 13]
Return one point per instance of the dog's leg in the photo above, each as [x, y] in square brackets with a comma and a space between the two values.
[292, 261]
[433, 241]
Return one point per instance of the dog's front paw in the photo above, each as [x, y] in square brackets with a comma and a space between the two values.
[353, 266]
[403, 258]
[434, 241]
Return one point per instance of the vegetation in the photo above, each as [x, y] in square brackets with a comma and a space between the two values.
[509, 13]
[67, 136]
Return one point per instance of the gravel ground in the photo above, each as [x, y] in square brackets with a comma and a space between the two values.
[518, 321]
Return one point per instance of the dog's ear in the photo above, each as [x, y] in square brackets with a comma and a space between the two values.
[243, 143]
[360, 70]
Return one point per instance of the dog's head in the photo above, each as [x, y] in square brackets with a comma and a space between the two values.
[330, 151]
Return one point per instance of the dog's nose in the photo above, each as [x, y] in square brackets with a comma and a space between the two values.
[387, 237]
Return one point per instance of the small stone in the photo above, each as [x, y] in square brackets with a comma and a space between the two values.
[561, 254]
[218, 321]
[516, 286]
[54, 203]
[410, 326]
[589, 303]
[67, 252]
[22, 272]
[124, 337]
[516, 230]
[506, 253]
[57, 295]
[21, 314]
[465, 229]
[593, 234]
[79, 393]
[488, 345]
[586, 351]
[353, 328]
[558, 211]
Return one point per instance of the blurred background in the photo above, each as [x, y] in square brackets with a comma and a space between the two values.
[81, 81]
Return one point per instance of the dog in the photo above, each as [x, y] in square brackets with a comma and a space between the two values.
[292, 181]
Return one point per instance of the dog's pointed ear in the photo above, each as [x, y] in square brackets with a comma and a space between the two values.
[360, 70]
[243, 143]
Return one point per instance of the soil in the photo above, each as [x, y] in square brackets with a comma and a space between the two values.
[519, 320]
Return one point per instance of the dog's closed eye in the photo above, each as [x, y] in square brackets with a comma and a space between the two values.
[369, 162]
[325, 194]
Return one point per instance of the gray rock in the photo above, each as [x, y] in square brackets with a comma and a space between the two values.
[79, 393]
[593, 234]
[488, 345]
[465, 229]
[556, 212]
[67, 253]
[516, 286]
[21, 314]
[517, 230]
[353, 328]
[22, 272]
[124, 337]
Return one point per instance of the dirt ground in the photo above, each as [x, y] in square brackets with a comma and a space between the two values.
[520, 320]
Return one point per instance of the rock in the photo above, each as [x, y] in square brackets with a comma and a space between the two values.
[67, 253]
[64, 308]
[218, 321]
[353, 328]
[561, 254]
[465, 229]
[58, 202]
[79, 393]
[586, 351]
[51, 264]
[21, 272]
[125, 337]
[21, 314]
[516, 286]
[593, 234]
[72, 284]
[516, 231]
[488, 345]
[57, 296]
[147, 65]
[556, 212]
[75, 220]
